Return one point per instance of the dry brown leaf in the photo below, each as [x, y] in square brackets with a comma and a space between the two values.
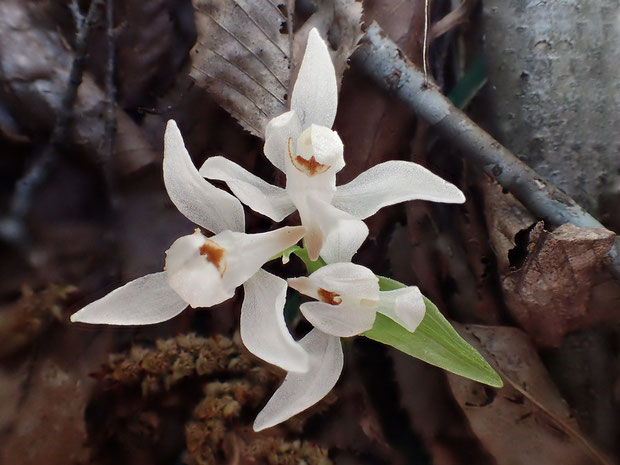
[243, 59]
[526, 422]
[550, 294]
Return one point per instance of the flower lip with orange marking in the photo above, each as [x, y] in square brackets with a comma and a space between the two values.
[310, 167]
[214, 254]
[328, 297]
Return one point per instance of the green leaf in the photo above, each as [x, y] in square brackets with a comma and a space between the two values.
[468, 87]
[435, 341]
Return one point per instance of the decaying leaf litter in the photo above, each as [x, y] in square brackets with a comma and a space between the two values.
[489, 264]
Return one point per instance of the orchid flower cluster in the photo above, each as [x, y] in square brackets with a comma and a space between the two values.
[202, 271]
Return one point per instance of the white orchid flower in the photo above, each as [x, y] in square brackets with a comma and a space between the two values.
[301, 144]
[204, 271]
[348, 301]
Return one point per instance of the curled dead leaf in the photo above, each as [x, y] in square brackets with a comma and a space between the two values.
[553, 281]
[550, 294]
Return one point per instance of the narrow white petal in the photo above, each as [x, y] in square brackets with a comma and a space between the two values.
[315, 94]
[247, 253]
[347, 279]
[193, 276]
[277, 133]
[143, 301]
[304, 285]
[202, 203]
[314, 236]
[300, 391]
[405, 306]
[312, 196]
[263, 329]
[342, 320]
[259, 195]
[393, 182]
[342, 233]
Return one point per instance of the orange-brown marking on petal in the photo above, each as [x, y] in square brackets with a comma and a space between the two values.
[214, 254]
[309, 167]
[328, 297]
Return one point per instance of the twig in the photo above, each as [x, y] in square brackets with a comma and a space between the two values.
[12, 227]
[425, 44]
[381, 59]
[110, 100]
[457, 16]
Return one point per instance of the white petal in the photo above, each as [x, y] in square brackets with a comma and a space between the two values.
[202, 203]
[347, 279]
[143, 301]
[247, 253]
[315, 94]
[304, 285]
[342, 234]
[324, 145]
[196, 279]
[277, 133]
[405, 306]
[300, 391]
[259, 195]
[314, 236]
[263, 329]
[342, 320]
[393, 182]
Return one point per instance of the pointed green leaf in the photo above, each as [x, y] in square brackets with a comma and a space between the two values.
[435, 341]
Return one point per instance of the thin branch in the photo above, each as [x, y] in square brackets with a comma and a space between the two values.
[456, 17]
[110, 97]
[425, 44]
[381, 59]
[12, 226]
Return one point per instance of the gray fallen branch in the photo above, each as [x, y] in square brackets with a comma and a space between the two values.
[12, 227]
[379, 57]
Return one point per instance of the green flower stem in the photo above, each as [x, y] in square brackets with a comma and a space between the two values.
[302, 254]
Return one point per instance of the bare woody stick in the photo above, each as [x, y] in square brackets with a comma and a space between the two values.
[381, 59]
